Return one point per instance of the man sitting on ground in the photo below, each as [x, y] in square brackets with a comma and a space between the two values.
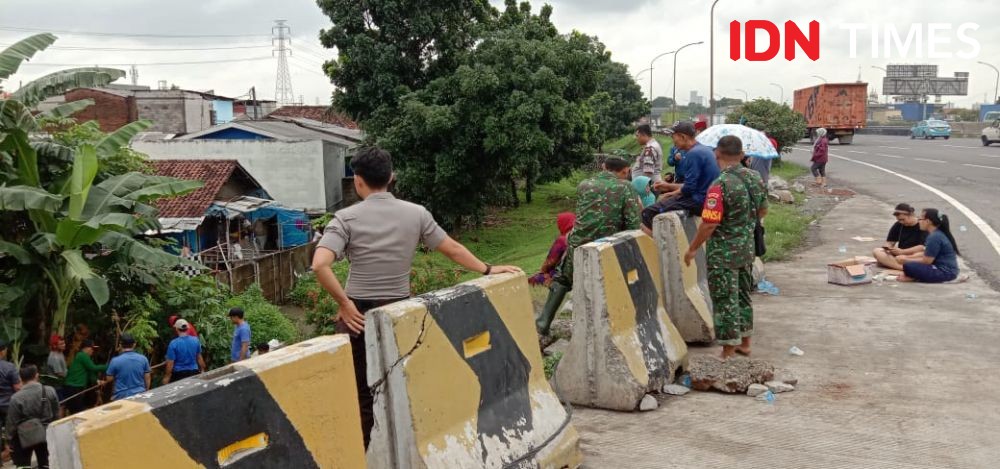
[905, 241]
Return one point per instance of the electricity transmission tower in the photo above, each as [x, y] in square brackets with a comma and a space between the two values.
[281, 38]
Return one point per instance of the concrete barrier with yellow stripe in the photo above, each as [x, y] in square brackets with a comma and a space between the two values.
[294, 407]
[624, 345]
[459, 382]
[685, 288]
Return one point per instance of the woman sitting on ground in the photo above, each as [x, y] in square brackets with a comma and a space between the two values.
[644, 188]
[565, 222]
[940, 260]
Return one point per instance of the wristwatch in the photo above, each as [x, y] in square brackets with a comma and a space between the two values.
[489, 268]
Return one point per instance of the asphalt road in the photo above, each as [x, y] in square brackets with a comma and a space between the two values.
[959, 167]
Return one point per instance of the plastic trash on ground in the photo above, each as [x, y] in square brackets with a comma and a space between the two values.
[842, 249]
[768, 288]
[796, 351]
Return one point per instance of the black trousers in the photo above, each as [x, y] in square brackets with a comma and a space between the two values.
[680, 202]
[366, 399]
[21, 457]
[81, 402]
[179, 375]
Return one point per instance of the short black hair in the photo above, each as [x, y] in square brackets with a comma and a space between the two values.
[730, 145]
[374, 165]
[236, 312]
[28, 373]
[644, 129]
[263, 347]
[3, 345]
[615, 164]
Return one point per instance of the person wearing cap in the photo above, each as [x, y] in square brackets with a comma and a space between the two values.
[905, 241]
[129, 371]
[191, 331]
[649, 163]
[80, 376]
[10, 382]
[379, 237]
[699, 171]
[183, 354]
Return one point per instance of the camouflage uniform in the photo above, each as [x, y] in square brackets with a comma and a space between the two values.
[605, 205]
[730, 252]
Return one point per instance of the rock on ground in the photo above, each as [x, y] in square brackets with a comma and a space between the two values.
[776, 183]
[731, 376]
[558, 347]
[783, 196]
[675, 390]
[758, 271]
[648, 403]
[786, 377]
[756, 389]
[779, 387]
[798, 187]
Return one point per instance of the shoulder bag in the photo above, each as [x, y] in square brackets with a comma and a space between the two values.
[759, 246]
[31, 432]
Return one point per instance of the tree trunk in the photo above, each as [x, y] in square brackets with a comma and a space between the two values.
[513, 192]
[529, 186]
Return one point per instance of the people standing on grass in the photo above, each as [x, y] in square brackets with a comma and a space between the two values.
[727, 226]
[649, 163]
[763, 165]
[183, 354]
[939, 262]
[605, 205]
[820, 156]
[379, 237]
[31, 410]
[544, 276]
[80, 379]
[905, 241]
[129, 371]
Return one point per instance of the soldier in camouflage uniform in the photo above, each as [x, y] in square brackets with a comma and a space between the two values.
[728, 221]
[605, 205]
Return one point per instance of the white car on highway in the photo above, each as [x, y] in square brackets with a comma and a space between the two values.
[991, 134]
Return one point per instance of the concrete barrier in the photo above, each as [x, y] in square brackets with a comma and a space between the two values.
[685, 288]
[624, 344]
[459, 382]
[294, 407]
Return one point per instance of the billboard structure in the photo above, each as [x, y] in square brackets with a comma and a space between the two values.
[915, 82]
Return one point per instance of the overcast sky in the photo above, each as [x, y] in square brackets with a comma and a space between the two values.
[635, 31]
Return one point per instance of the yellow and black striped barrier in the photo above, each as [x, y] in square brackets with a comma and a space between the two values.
[294, 407]
[685, 288]
[624, 345]
[459, 382]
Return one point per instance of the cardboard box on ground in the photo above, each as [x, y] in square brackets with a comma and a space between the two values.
[854, 271]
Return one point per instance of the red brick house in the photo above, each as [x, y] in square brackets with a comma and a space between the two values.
[112, 108]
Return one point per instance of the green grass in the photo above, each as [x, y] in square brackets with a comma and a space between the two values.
[786, 225]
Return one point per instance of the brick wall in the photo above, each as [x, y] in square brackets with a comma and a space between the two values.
[109, 110]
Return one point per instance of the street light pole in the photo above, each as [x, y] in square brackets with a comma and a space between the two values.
[821, 78]
[651, 97]
[782, 92]
[996, 87]
[746, 96]
[711, 60]
[636, 76]
[678, 51]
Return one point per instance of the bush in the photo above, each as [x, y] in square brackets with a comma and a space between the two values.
[778, 120]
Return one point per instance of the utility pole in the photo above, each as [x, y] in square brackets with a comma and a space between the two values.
[283, 82]
[134, 71]
[253, 99]
[711, 60]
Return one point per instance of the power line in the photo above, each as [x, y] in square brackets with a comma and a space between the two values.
[94, 33]
[143, 49]
[308, 69]
[248, 59]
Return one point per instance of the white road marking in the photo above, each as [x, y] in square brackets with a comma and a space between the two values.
[894, 148]
[989, 156]
[930, 161]
[979, 166]
[958, 146]
[855, 151]
[889, 156]
[991, 235]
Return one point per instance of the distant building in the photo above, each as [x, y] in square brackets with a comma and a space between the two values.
[302, 162]
[696, 99]
[323, 114]
[171, 111]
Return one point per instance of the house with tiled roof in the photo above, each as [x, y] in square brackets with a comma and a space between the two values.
[231, 209]
[324, 114]
[302, 162]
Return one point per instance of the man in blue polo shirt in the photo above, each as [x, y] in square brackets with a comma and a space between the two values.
[699, 170]
[183, 354]
[129, 370]
[241, 336]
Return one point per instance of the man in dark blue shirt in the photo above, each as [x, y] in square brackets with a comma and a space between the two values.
[129, 370]
[183, 354]
[699, 170]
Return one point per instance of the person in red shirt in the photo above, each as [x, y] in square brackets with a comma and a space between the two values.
[820, 156]
[191, 330]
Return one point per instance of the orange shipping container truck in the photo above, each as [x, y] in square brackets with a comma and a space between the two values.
[837, 107]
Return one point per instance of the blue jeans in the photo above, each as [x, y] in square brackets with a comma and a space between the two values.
[927, 273]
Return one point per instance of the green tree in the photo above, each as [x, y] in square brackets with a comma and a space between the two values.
[388, 48]
[662, 101]
[517, 109]
[617, 104]
[57, 228]
[778, 120]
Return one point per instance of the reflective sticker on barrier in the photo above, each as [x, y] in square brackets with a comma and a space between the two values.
[474, 327]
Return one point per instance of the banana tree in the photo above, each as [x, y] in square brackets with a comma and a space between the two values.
[70, 221]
